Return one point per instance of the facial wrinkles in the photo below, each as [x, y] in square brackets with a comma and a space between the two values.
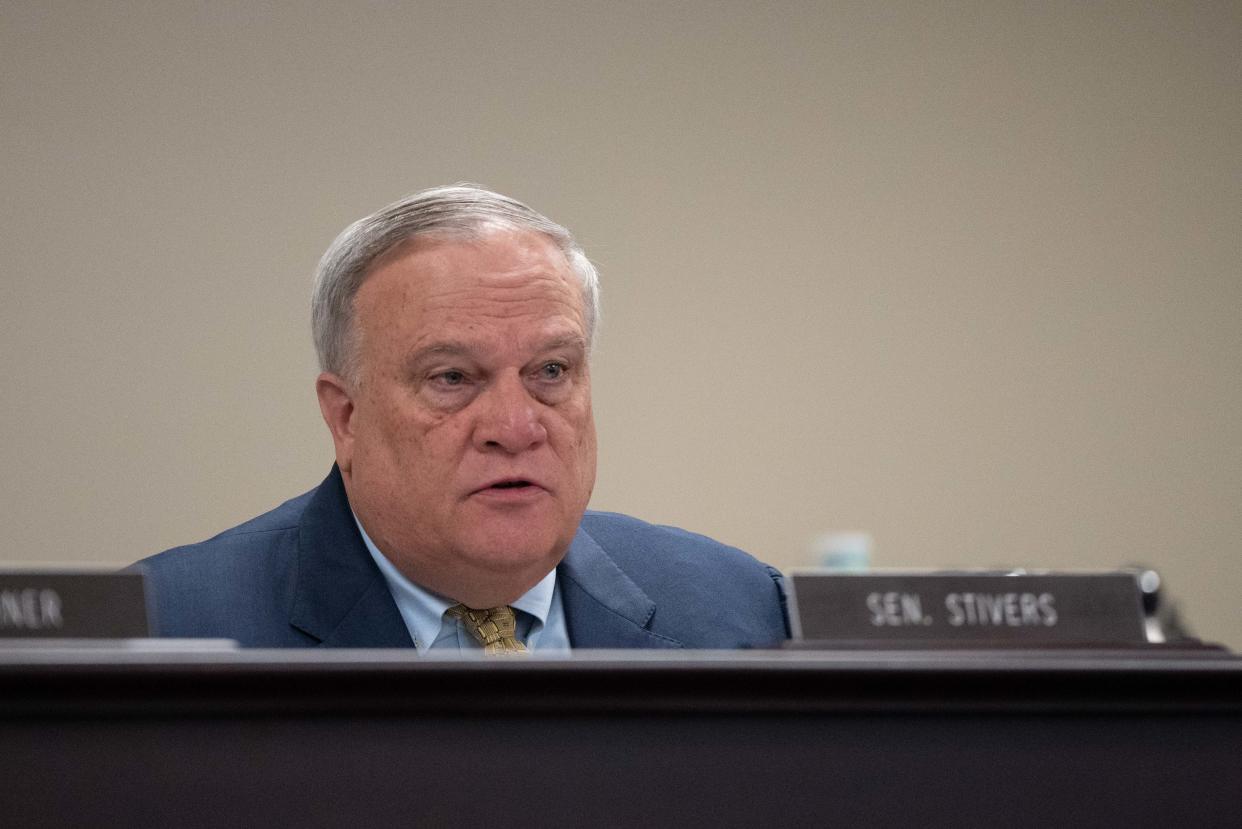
[498, 374]
[443, 300]
[529, 304]
[512, 317]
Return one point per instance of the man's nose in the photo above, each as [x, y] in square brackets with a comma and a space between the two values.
[508, 417]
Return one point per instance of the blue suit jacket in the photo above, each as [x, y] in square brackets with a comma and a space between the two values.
[300, 576]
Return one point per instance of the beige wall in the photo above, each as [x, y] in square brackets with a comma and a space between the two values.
[964, 275]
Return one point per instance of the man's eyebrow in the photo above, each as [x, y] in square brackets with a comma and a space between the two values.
[441, 349]
[455, 348]
[566, 341]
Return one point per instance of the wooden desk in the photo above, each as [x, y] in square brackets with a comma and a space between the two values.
[379, 738]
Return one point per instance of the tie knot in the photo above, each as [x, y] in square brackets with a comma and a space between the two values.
[494, 628]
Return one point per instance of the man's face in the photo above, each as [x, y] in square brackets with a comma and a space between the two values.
[467, 442]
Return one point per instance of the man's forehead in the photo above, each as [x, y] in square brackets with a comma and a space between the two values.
[538, 342]
[506, 292]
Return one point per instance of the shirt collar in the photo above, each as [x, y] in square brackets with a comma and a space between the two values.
[423, 611]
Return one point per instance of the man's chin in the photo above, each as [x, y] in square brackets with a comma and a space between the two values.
[514, 558]
[498, 578]
[514, 555]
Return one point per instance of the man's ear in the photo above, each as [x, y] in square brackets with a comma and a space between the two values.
[337, 407]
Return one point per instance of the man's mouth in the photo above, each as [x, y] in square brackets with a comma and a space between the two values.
[511, 485]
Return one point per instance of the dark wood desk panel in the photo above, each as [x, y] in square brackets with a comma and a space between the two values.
[784, 739]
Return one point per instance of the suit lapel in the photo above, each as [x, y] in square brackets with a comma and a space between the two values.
[340, 596]
[603, 607]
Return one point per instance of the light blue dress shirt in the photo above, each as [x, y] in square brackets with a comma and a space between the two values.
[540, 620]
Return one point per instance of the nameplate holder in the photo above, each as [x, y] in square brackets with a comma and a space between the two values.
[965, 609]
[63, 604]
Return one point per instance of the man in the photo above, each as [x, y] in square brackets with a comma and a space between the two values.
[454, 331]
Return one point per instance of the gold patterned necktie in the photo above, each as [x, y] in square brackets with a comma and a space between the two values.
[494, 628]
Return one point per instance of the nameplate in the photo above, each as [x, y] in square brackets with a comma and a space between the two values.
[72, 605]
[967, 608]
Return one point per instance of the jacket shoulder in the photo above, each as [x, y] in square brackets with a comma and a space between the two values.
[235, 585]
[707, 594]
[627, 534]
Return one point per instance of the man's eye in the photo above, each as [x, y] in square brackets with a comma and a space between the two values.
[451, 378]
[551, 371]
